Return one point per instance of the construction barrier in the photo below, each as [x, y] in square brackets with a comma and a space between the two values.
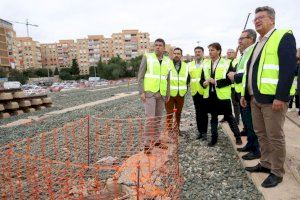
[94, 158]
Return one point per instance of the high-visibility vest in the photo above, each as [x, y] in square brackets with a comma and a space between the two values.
[220, 73]
[268, 67]
[195, 77]
[242, 67]
[156, 74]
[178, 81]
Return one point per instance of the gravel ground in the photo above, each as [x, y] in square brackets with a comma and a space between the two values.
[209, 173]
[212, 172]
[65, 100]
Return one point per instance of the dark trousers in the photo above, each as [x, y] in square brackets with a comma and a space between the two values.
[201, 114]
[297, 100]
[235, 99]
[227, 116]
[252, 140]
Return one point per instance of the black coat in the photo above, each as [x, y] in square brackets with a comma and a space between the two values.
[213, 104]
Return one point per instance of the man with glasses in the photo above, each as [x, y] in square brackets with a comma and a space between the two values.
[268, 81]
[231, 55]
[246, 44]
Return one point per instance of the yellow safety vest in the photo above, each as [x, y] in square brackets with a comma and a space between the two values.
[195, 76]
[178, 81]
[242, 67]
[156, 74]
[268, 67]
[220, 73]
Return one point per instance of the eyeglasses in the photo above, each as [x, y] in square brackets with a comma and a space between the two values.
[241, 38]
[260, 18]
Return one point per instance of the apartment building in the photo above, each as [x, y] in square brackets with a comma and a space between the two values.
[7, 48]
[106, 49]
[88, 51]
[66, 52]
[49, 56]
[130, 43]
[83, 55]
[28, 53]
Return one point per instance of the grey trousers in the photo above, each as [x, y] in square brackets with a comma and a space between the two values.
[268, 126]
[154, 106]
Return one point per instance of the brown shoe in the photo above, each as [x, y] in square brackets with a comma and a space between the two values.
[147, 150]
[161, 145]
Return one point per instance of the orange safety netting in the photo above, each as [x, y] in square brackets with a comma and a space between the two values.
[94, 158]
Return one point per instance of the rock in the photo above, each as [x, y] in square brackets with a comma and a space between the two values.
[109, 160]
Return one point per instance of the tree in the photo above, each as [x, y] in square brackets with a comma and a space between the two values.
[15, 75]
[30, 72]
[42, 72]
[74, 67]
[3, 73]
[50, 72]
[56, 72]
[65, 74]
[134, 65]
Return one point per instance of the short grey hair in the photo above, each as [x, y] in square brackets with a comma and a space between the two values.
[251, 33]
[270, 11]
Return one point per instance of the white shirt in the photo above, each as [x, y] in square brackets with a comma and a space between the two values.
[261, 42]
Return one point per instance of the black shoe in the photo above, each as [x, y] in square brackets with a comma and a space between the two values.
[258, 168]
[204, 137]
[243, 133]
[244, 149]
[213, 142]
[238, 141]
[271, 181]
[199, 136]
[251, 156]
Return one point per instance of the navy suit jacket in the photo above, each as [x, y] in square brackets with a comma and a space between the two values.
[287, 68]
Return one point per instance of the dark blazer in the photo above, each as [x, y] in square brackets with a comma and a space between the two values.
[213, 104]
[287, 68]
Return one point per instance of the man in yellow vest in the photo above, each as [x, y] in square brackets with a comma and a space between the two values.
[231, 55]
[195, 71]
[178, 87]
[267, 84]
[154, 89]
[246, 44]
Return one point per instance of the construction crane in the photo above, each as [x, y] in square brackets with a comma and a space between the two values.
[27, 25]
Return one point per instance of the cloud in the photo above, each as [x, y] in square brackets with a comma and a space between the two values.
[180, 22]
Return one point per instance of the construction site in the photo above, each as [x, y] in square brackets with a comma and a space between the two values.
[88, 145]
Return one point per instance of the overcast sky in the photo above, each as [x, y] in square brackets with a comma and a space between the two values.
[180, 22]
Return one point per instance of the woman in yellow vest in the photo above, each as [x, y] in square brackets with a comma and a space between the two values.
[217, 92]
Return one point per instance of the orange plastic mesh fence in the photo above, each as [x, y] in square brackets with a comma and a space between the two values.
[93, 158]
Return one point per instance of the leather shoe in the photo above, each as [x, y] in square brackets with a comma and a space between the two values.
[258, 168]
[271, 181]
[238, 141]
[251, 156]
[199, 136]
[243, 133]
[243, 149]
[212, 143]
